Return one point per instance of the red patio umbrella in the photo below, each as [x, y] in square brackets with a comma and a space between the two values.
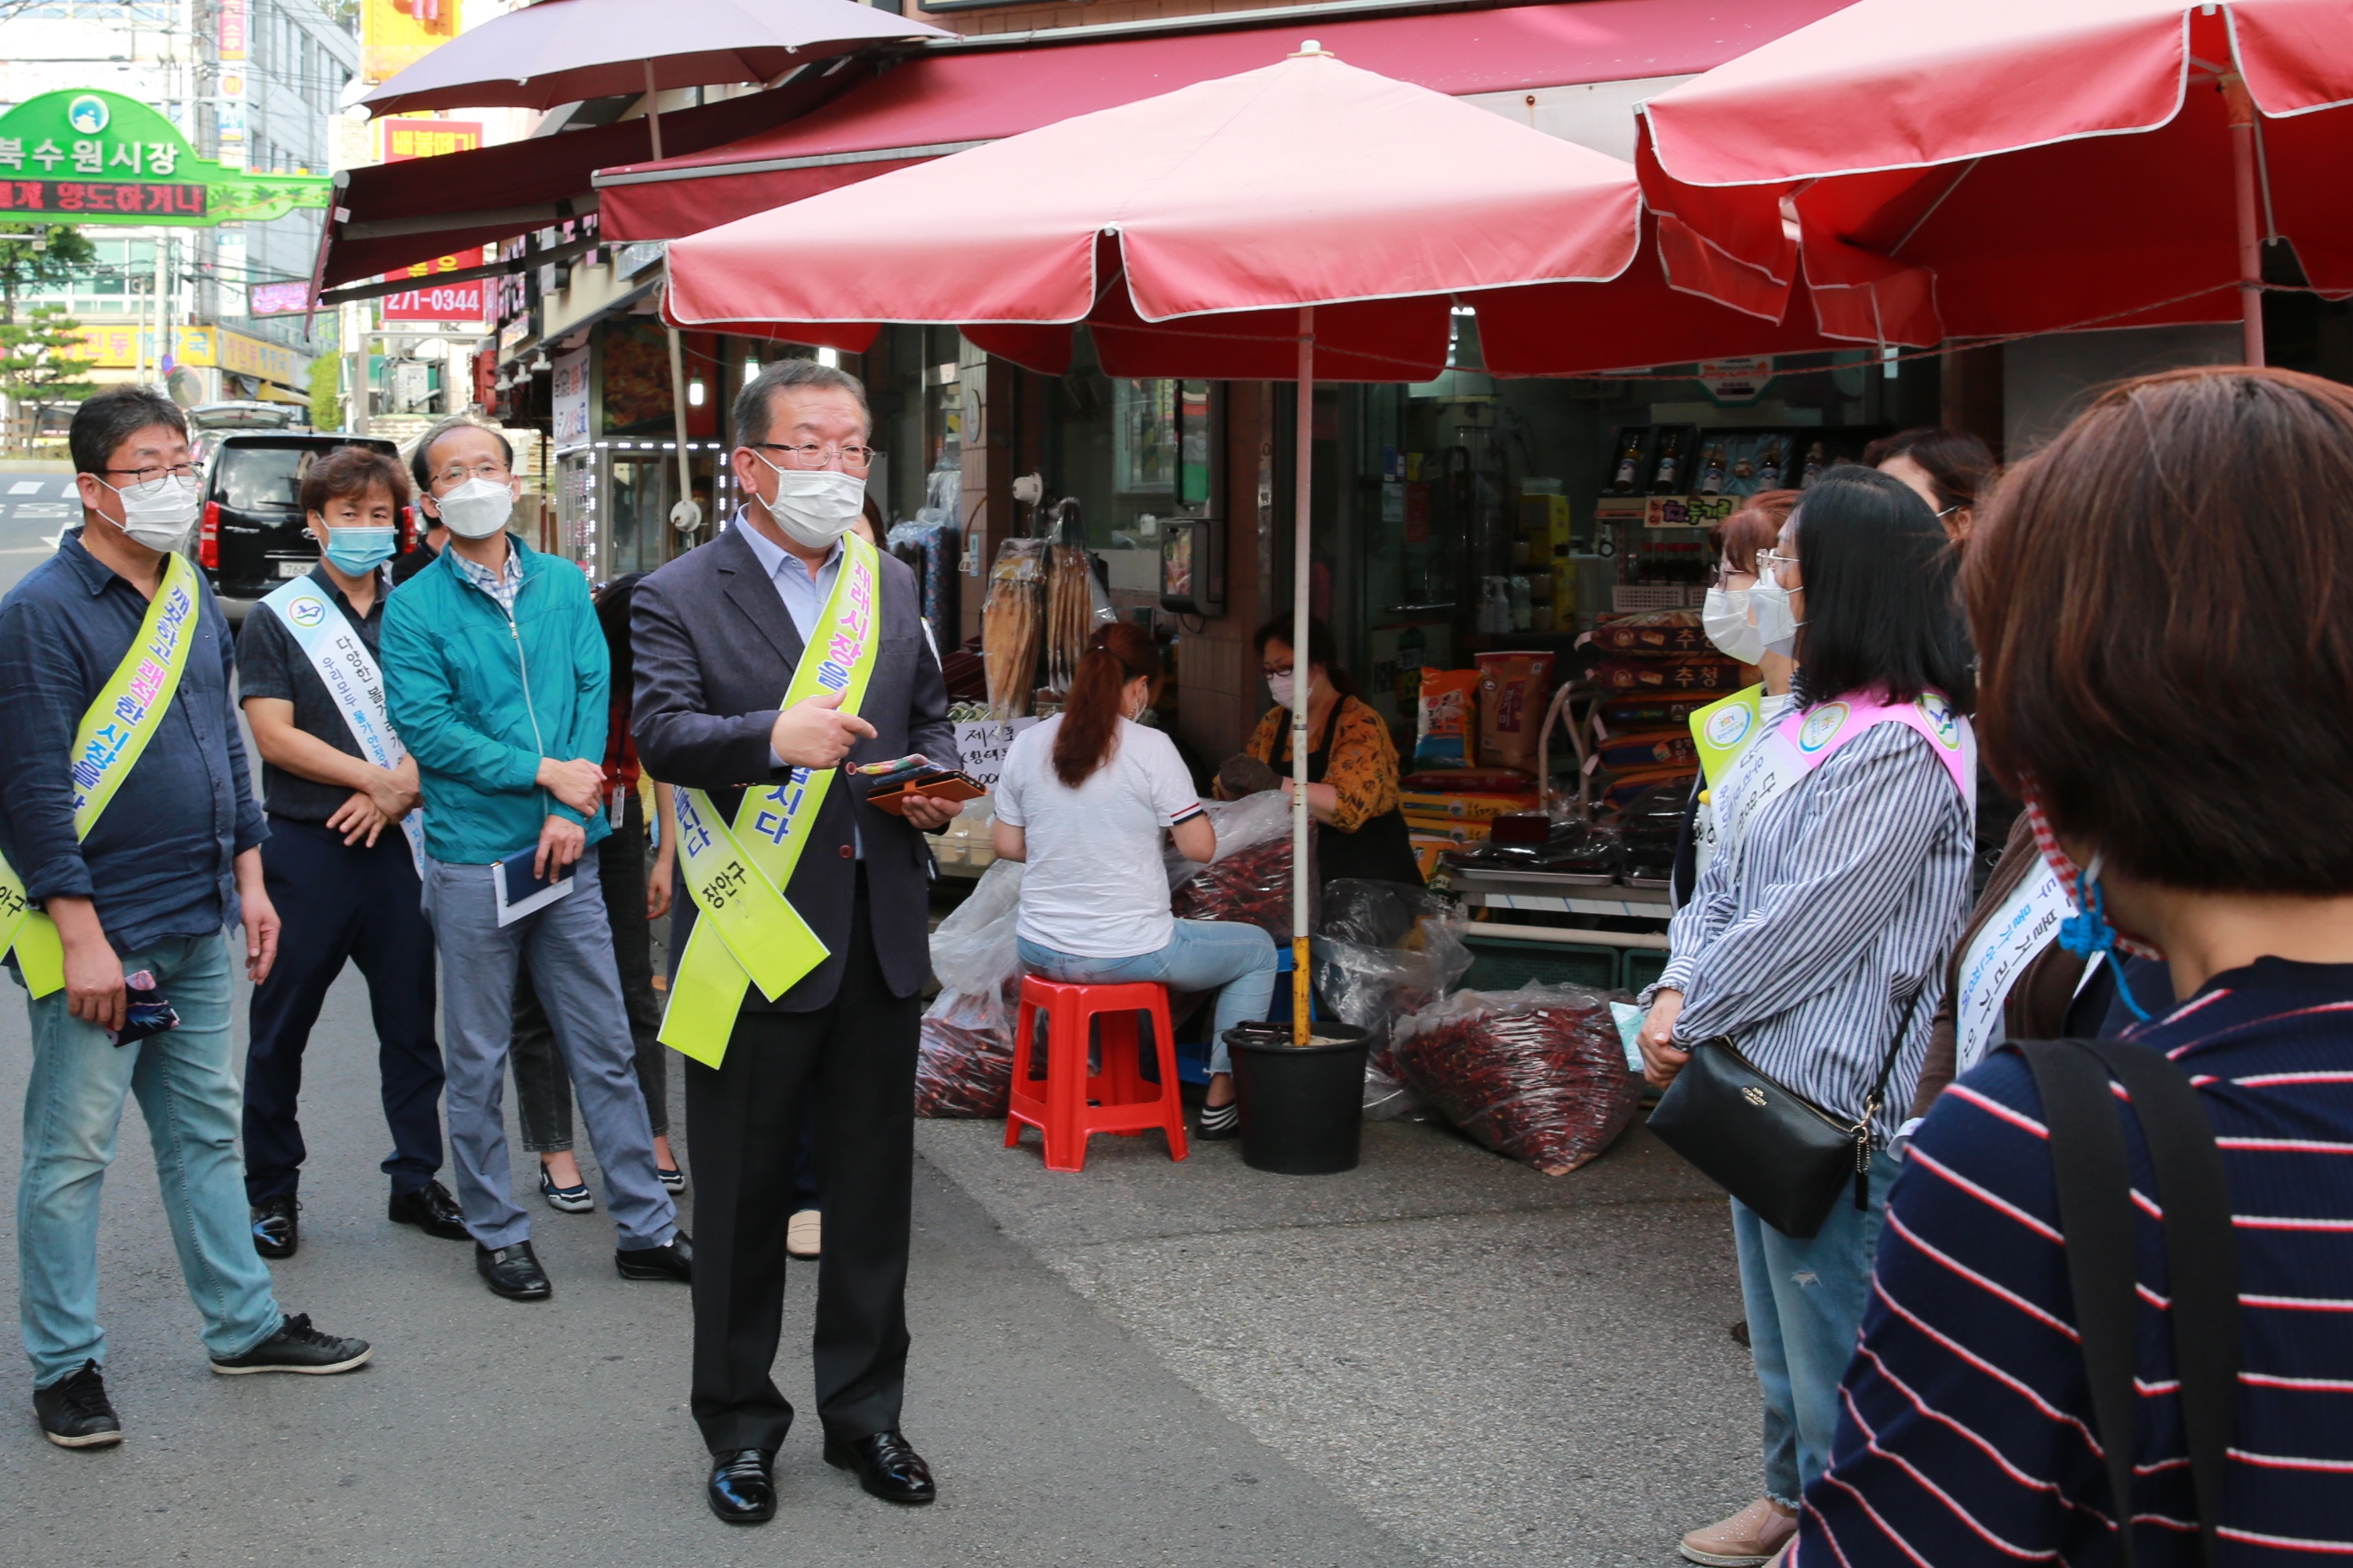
[2013, 166]
[1307, 218]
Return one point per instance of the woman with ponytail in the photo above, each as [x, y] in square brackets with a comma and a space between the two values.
[1084, 798]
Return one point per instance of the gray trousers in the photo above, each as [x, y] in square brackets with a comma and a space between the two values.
[542, 1100]
[570, 952]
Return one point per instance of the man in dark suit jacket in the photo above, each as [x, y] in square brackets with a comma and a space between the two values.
[716, 635]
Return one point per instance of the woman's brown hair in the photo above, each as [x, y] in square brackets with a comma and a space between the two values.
[2163, 601]
[1120, 651]
[1959, 465]
[1755, 526]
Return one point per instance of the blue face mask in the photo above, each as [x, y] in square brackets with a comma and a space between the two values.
[357, 551]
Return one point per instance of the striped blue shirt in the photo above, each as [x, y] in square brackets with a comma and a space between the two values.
[1804, 940]
[1966, 1435]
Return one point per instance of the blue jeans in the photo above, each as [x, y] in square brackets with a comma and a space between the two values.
[569, 947]
[1202, 955]
[1805, 1302]
[73, 1109]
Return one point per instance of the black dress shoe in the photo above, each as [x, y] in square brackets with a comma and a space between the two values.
[512, 1271]
[674, 1259]
[887, 1466]
[430, 1209]
[741, 1490]
[274, 1231]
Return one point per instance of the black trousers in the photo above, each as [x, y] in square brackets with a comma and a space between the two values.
[855, 1063]
[335, 903]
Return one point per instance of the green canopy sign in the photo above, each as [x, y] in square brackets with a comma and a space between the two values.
[83, 155]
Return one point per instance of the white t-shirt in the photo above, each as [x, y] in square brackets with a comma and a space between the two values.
[1094, 887]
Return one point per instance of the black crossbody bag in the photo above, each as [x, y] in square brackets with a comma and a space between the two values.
[2094, 1178]
[1779, 1153]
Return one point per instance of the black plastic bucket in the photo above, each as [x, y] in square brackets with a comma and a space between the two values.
[1303, 1106]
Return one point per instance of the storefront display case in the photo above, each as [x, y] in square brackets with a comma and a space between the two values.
[614, 499]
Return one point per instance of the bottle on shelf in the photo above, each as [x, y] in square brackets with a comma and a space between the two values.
[1668, 478]
[1772, 465]
[1630, 462]
[1712, 472]
[1816, 461]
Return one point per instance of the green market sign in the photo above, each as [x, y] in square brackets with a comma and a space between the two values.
[83, 156]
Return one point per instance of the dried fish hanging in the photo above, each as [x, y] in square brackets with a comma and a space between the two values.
[1075, 600]
[1011, 625]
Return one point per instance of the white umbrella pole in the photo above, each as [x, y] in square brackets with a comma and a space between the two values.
[1302, 485]
[2242, 180]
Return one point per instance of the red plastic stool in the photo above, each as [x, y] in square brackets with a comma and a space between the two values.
[1123, 1100]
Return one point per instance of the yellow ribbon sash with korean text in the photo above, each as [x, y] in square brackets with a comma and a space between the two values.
[746, 933]
[108, 743]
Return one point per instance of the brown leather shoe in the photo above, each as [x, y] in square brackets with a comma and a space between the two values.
[1749, 1539]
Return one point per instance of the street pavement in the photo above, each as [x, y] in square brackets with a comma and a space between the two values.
[37, 504]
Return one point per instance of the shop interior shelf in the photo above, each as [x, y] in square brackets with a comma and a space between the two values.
[1508, 965]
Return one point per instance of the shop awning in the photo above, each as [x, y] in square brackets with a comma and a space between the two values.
[393, 214]
[956, 97]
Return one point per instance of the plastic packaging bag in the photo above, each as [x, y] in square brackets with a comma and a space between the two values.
[1383, 950]
[1249, 881]
[1538, 1074]
[1446, 719]
[964, 1064]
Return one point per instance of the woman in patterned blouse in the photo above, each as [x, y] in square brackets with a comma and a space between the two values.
[1352, 764]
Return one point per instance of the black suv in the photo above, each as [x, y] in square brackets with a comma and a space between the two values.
[251, 537]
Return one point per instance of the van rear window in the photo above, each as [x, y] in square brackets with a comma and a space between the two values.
[263, 478]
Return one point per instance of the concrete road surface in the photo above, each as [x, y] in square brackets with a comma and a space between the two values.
[37, 504]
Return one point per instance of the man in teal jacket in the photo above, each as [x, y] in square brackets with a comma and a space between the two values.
[496, 678]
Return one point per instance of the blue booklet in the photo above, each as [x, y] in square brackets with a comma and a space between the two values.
[521, 893]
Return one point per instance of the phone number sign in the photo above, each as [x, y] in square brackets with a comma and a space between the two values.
[435, 302]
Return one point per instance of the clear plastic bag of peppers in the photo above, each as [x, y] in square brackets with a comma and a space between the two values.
[1537, 1074]
[1383, 951]
[1249, 881]
[963, 1062]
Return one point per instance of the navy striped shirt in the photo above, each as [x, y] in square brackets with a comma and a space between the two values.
[1967, 1434]
[1806, 938]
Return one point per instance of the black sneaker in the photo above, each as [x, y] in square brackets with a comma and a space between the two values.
[75, 1411]
[274, 1230]
[297, 1347]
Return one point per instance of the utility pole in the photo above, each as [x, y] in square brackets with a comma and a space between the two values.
[162, 313]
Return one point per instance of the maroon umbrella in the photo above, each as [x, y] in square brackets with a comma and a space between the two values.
[561, 51]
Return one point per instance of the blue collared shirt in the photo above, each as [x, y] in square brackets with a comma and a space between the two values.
[160, 862]
[804, 598]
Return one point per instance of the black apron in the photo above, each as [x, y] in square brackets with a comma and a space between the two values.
[1379, 850]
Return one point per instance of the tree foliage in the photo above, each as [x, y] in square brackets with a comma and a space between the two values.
[42, 362]
[36, 256]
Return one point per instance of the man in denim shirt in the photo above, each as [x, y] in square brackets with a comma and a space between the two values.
[164, 870]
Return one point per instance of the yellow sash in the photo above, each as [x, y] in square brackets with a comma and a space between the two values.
[747, 933]
[113, 734]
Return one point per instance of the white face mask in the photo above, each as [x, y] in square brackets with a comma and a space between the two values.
[477, 508]
[1283, 688]
[1725, 617]
[817, 506]
[1777, 624]
[159, 514]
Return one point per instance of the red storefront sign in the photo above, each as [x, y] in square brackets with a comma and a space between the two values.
[177, 199]
[435, 302]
